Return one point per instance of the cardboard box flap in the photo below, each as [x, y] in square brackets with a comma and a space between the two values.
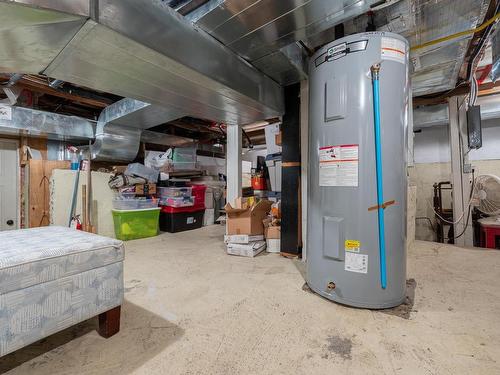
[267, 222]
[247, 221]
[263, 205]
[230, 210]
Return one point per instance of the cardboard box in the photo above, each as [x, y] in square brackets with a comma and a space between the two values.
[241, 203]
[145, 189]
[273, 233]
[247, 220]
[278, 139]
[209, 217]
[242, 238]
[248, 250]
[209, 198]
[273, 245]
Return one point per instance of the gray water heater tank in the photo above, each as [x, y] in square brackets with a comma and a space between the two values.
[343, 241]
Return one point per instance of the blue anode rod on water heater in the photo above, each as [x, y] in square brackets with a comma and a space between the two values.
[375, 70]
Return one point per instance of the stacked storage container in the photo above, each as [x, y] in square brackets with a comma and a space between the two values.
[135, 218]
[182, 208]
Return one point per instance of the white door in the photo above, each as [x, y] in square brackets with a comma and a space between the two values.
[8, 185]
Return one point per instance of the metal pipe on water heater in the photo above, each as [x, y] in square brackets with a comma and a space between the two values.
[375, 70]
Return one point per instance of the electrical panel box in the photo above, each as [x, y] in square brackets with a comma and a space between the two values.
[474, 131]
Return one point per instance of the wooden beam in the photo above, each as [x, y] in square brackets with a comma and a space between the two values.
[61, 94]
[44, 88]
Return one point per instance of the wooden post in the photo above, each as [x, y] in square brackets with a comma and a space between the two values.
[461, 175]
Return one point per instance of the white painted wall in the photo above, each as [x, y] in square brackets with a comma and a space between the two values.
[431, 145]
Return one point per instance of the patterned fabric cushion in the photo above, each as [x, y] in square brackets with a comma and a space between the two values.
[33, 256]
[30, 314]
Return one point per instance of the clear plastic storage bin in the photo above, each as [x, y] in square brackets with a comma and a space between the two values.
[184, 158]
[121, 203]
[177, 201]
[175, 191]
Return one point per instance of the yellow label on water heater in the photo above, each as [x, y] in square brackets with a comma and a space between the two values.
[352, 245]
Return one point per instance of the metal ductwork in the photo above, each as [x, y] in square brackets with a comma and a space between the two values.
[286, 66]
[435, 115]
[120, 127]
[139, 49]
[118, 134]
[265, 32]
[32, 37]
[432, 115]
[29, 122]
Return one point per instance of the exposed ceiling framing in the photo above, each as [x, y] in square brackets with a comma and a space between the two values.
[215, 73]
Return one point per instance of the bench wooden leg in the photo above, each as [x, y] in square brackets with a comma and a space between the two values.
[109, 322]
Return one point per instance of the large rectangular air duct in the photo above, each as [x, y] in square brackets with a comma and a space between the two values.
[139, 49]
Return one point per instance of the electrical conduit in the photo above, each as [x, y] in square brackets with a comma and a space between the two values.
[375, 70]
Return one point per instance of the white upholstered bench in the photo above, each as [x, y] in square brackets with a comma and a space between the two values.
[54, 277]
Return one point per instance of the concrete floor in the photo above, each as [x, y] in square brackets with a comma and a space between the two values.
[192, 309]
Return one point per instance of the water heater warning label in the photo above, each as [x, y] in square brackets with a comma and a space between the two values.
[352, 245]
[356, 262]
[338, 165]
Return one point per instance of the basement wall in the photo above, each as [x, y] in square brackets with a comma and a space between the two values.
[432, 164]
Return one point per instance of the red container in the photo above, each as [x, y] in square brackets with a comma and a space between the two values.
[199, 196]
[177, 210]
[258, 183]
[199, 202]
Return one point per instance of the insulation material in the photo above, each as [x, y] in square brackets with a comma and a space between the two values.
[61, 192]
[435, 68]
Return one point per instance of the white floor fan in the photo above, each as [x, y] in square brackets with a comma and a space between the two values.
[486, 195]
